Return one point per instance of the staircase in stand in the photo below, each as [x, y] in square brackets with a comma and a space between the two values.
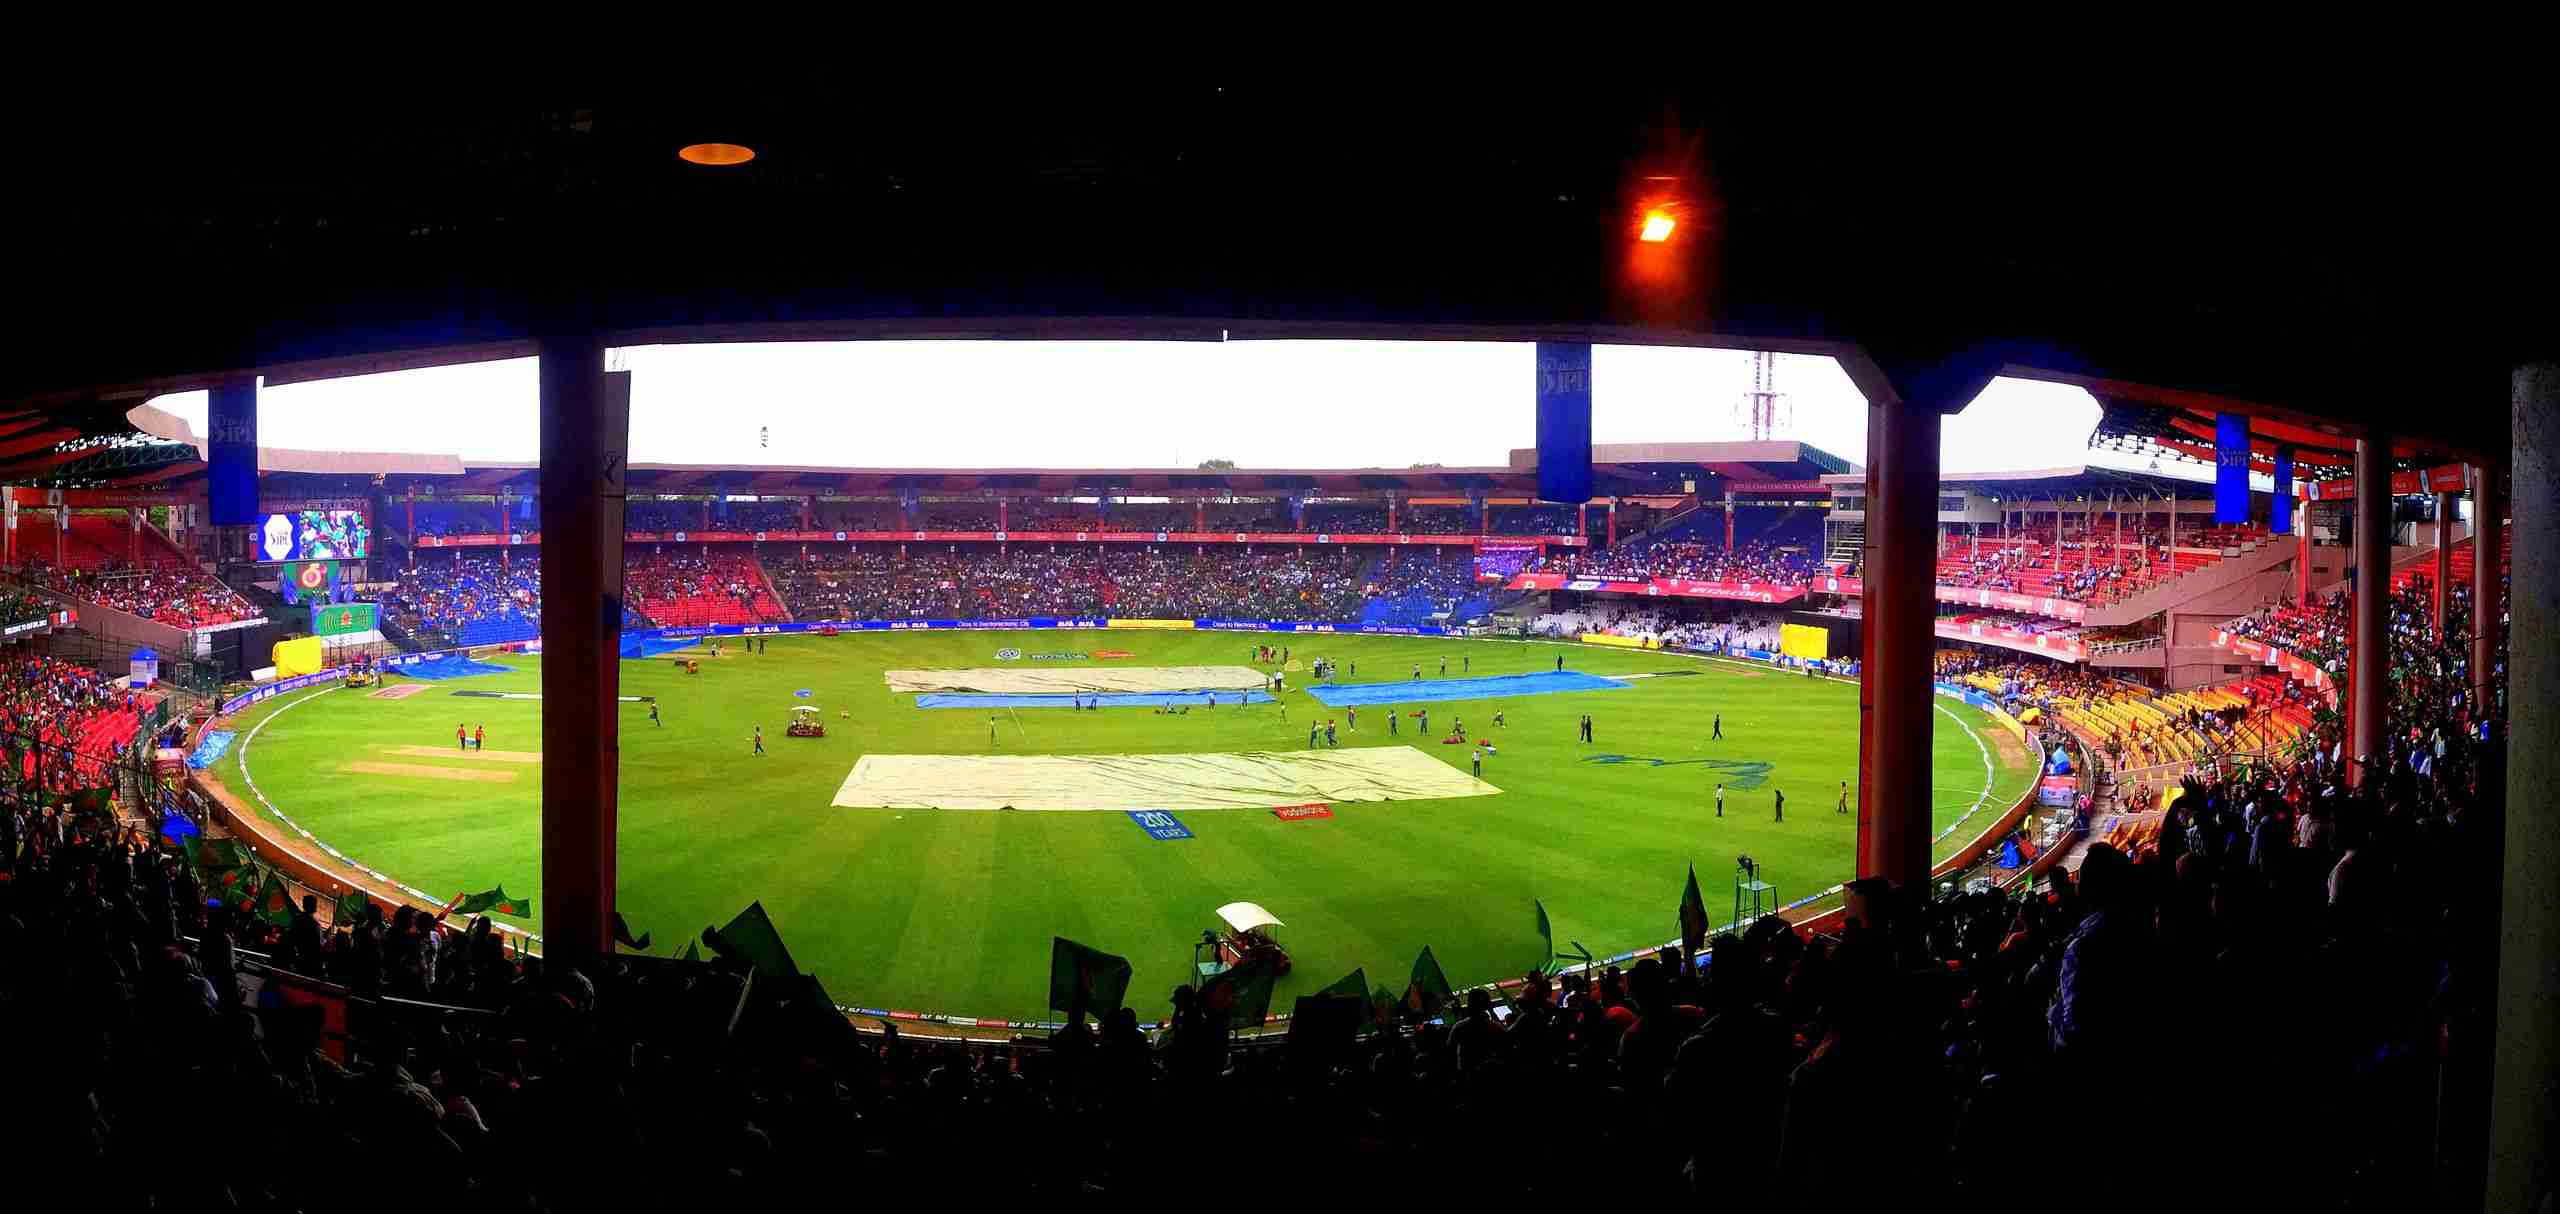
[1848, 545]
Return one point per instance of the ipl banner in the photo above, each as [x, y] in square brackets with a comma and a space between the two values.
[302, 582]
[339, 619]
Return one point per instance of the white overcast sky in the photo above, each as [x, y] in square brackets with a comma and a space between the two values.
[1065, 404]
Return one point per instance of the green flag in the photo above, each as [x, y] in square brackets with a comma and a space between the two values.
[1428, 991]
[213, 854]
[622, 935]
[1546, 934]
[751, 938]
[1085, 979]
[692, 952]
[1243, 993]
[1693, 915]
[1354, 983]
[495, 901]
[275, 902]
[1382, 1006]
[351, 908]
[236, 886]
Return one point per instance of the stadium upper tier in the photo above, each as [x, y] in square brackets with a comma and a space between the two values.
[103, 560]
[475, 599]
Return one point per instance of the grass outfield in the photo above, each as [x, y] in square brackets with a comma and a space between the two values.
[951, 911]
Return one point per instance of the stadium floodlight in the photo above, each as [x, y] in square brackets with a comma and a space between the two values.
[1657, 227]
[716, 155]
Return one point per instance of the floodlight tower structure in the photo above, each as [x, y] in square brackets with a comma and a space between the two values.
[1764, 411]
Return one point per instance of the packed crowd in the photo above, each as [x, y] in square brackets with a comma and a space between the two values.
[439, 519]
[61, 725]
[2096, 569]
[450, 594]
[167, 593]
[1756, 1072]
[1687, 559]
[1169, 582]
[2430, 673]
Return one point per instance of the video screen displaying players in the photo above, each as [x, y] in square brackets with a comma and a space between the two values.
[315, 535]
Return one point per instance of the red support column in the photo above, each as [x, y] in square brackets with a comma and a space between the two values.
[1484, 518]
[1613, 522]
[2488, 530]
[806, 504]
[411, 517]
[1391, 515]
[61, 534]
[2369, 650]
[1581, 517]
[585, 428]
[133, 535]
[1728, 520]
[2444, 558]
[1003, 516]
[1894, 739]
[1200, 514]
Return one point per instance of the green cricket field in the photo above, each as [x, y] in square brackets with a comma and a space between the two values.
[951, 910]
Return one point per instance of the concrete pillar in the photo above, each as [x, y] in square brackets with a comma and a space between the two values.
[2369, 647]
[2444, 557]
[1894, 695]
[585, 432]
[2488, 529]
[2302, 562]
[2524, 1101]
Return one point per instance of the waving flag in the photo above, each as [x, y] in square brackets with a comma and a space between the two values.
[1693, 915]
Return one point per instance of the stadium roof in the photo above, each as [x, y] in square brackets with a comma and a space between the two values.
[2077, 480]
[407, 222]
[1738, 462]
[2179, 427]
[680, 479]
[179, 461]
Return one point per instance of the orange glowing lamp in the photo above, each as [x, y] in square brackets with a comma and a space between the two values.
[717, 155]
[1658, 224]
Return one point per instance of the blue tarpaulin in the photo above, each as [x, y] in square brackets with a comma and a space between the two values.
[448, 666]
[209, 749]
[634, 646]
[1417, 691]
[1124, 699]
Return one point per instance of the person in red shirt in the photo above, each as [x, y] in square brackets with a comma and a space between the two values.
[461, 738]
[479, 737]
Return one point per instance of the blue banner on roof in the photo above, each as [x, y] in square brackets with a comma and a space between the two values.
[2230, 468]
[2281, 515]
